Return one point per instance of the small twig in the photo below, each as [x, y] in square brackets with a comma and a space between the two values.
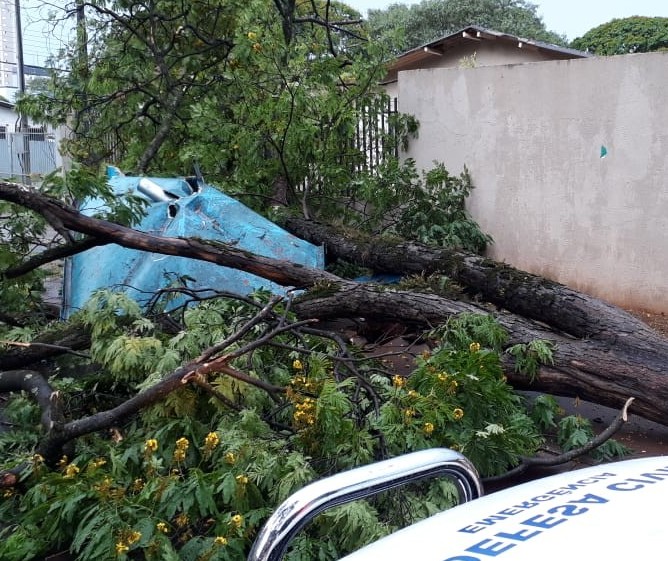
[202, 383]
[269, 388]
[50, 255]
[616, 424]
[349, 362]
[266, 339]
[43, 346]
[239, 333]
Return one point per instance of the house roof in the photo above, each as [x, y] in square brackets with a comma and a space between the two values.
[476, 33]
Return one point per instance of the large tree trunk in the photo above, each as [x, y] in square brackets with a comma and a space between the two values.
[593, 370]
[603, 354]
[522, 293]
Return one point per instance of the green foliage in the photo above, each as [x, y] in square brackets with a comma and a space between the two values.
[545, 411]
[268, 108]
[430, 209]
[636, 34]
[440, 405]
[262, 103]
[465, 329]
[574, 431]
[529, 356]
[80, 183]
[24, 235]
[571, 431]
[195, 476]
[400, 27]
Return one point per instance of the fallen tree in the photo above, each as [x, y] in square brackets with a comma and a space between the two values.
[601, 353]
[211, 414]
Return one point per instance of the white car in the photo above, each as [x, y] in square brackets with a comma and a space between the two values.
[609, 512]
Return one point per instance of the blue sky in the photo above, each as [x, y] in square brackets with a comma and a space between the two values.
[572, 18]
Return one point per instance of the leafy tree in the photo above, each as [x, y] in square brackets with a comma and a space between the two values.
[636, 34]
[196, 469]
[401, 28]
[160, 81]
[176, 434]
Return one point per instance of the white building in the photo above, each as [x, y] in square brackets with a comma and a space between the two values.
[29, 154]
[41, 39]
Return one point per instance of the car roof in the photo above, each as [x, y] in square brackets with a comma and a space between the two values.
[606, 512]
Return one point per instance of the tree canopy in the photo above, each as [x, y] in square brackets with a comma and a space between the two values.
[401, 27]
[636, 34]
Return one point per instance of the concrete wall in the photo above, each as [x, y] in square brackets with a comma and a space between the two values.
[532, 136]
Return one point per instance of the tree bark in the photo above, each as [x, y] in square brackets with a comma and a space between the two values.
[63, 216]
[586, 368]
[522, 293]
[603, 354]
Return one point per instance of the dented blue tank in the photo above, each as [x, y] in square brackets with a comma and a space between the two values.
[181, 208]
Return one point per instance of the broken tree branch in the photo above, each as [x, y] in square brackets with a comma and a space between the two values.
[281, 272]
[527, 463]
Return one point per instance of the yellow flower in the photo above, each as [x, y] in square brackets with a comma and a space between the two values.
[474, 347]
[138, 485]
[121, 547]
[413, 394]
[211, 441]
[8, 493]
[179, 455]
[398, 381]
[162, 527]
[38, 459]
[182, 443]
[242, 479]
[71, 471]
[151, 445]
[305, 412]
[442, 377]
[104, 486]
[220, 540]
[409, 413]
[257, 47]
[457, 414]
[99, 462]
[181, 520]
[230, 458]
[297, 364]
[428, 428]
[252, 36]
[134, 537]
[453, 386]
[237, 520]
[62, 462]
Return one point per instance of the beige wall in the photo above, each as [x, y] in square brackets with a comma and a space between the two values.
[531, 135]
[481, 53]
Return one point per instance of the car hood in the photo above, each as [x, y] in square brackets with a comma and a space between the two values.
[611, 511]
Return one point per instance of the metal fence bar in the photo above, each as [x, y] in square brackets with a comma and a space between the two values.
[27, 154]
[372, 141]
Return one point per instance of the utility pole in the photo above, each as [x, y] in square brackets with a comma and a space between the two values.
[23, 119]
[82, 39]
